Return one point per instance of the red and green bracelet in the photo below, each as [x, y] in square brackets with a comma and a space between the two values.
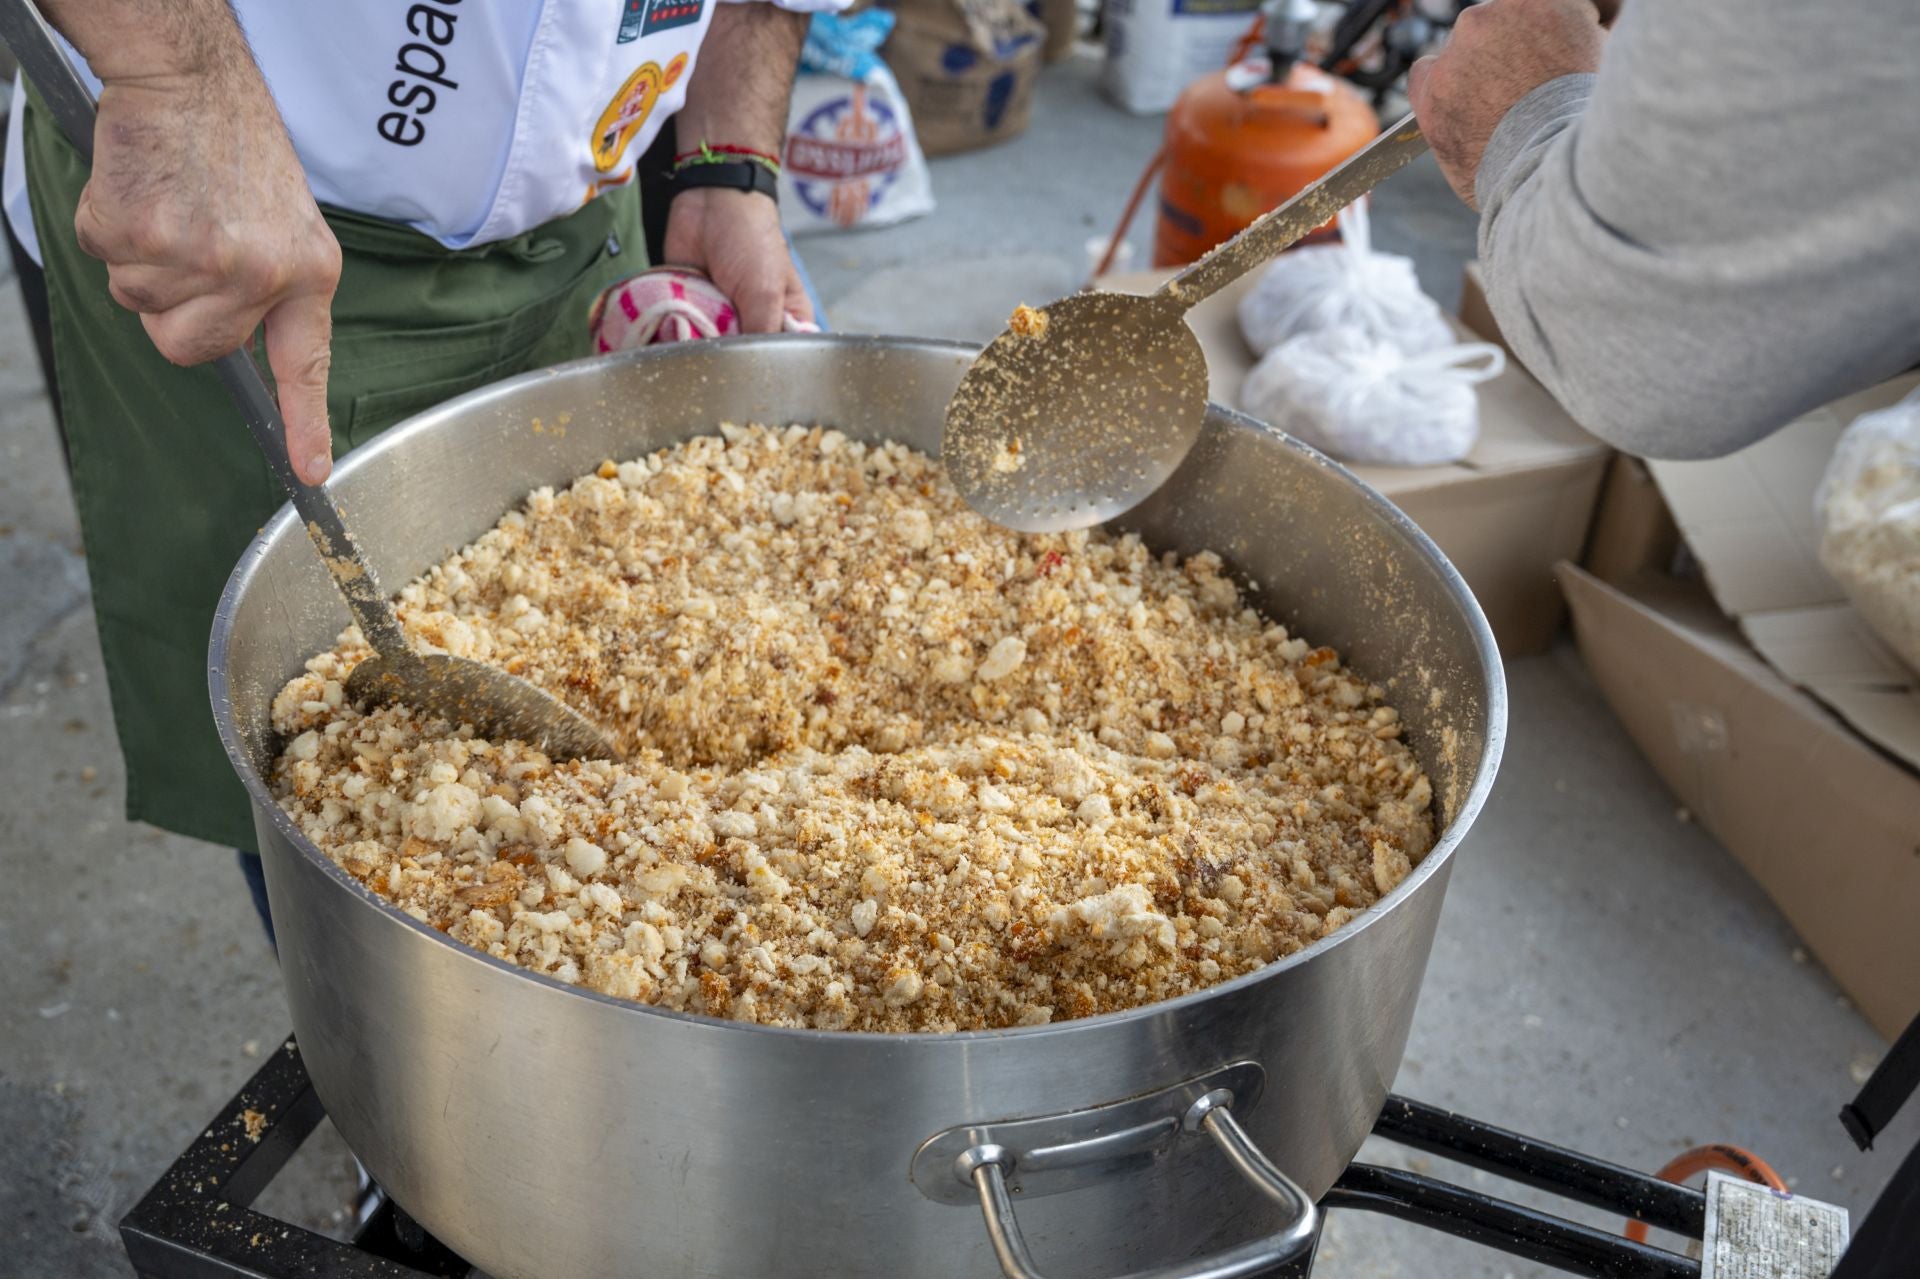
[725, 154]
[731, 167]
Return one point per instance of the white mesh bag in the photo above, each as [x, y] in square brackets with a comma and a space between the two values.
[1344, 285]
[1361, 398]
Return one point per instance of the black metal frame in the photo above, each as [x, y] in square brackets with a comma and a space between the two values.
[1524, 1232]
[198, 1221]
[1888, 1241]
[1353, 25]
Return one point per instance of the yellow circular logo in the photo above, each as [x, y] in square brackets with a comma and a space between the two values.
[630, 108]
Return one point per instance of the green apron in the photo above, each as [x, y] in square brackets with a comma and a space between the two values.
[168, 482]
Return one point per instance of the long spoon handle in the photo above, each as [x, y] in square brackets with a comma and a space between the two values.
[1279, 230]
[338, 551]
[27, 34]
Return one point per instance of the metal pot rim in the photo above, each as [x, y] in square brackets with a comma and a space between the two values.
[370, 454]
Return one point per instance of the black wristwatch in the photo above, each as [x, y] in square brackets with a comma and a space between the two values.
[731, 175]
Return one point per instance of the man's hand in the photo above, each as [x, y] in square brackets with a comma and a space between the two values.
[199, 207]
[738, 97]
[1499, 52]
[734, 236]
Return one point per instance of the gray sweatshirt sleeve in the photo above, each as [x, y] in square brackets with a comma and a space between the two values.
[1720, 230]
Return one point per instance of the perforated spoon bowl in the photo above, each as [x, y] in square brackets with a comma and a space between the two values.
[1085, 407]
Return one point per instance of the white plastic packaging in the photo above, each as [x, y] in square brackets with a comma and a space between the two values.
[1156, 48]
[1361, 398]
[1343, 285]
[1868, 513]
[852, 159]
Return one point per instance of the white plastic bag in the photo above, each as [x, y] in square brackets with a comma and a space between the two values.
[1156, 48]
[1868, 514]
[852, 159]
[1361, 398]
[1344, 285]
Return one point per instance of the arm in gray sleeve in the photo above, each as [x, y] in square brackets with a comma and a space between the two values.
[1720, 230]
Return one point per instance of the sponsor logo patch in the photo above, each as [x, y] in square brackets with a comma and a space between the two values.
[627, 114]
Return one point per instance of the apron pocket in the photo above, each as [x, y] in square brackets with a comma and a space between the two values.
[372, 412]
[399, 372]
[420, 325]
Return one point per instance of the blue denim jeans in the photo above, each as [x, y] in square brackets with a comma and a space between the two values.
[257, 886]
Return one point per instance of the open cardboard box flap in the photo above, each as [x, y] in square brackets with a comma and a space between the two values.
[1827, 825]
[1749, 520]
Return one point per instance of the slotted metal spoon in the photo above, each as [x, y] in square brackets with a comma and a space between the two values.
[1094, 401]
[497, 704]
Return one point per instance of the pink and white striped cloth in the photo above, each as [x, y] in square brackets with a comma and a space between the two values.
[667, 304]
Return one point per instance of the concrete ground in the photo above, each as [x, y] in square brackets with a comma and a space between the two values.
[1605, 975]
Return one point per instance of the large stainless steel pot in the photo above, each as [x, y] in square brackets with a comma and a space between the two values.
[550, 1133]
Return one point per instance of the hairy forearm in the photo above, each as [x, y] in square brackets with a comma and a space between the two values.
[738, 97]
[131, 41]
[742, 81]
[198, 204]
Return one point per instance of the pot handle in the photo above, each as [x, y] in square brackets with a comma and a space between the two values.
[987, 1166]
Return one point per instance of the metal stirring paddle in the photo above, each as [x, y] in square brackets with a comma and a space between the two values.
[462, 691]
[1085, 407]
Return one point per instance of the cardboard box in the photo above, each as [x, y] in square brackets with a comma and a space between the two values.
[1749, 520]
[1735, 687]
[1632, 528]
[1828, 825]
[1517, 505]
[967, 69]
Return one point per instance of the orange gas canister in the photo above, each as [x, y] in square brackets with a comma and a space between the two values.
[1238, 146]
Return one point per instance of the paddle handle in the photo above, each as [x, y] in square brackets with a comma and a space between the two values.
[26, 33]
[1272, 233]
[325, 525]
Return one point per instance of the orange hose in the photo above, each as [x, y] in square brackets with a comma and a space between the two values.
[1247, 41]
[1126, 218]
[1720, 1157]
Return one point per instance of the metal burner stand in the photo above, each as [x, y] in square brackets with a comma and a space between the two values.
[198, 1223]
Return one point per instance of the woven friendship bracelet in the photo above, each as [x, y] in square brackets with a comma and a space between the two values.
[725, 154]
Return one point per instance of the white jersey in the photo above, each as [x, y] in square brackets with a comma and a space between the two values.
[470, 121]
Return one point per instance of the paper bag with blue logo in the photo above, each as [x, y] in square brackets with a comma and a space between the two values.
[851, 157]
[968, 67]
